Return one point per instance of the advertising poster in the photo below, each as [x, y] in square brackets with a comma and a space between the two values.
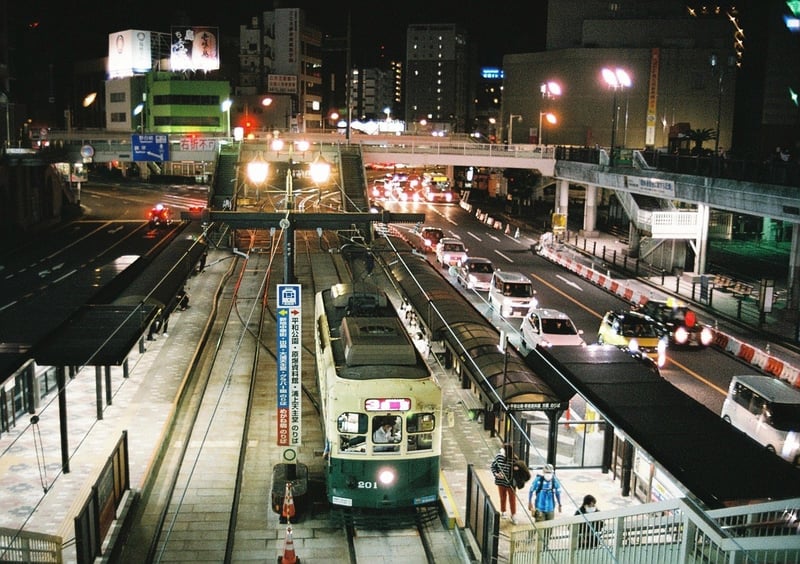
[194, 48]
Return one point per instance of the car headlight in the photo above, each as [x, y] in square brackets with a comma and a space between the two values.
[662, 346]
[681, 335]
[705, 336]
[633, 345]
[545, 343]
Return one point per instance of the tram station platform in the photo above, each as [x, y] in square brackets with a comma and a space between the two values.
[37, 496]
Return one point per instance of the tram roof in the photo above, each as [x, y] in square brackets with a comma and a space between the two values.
[717, 464]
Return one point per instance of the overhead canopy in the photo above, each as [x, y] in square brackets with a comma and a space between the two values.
[719, 465]
[102, 334]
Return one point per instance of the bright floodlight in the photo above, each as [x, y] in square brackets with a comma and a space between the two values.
[257, 170]
[89, 99]
[226, 105]
[138, 109]
[618, 78]
[277, 144]
[551, 118]
[320, 170]
[303, 145]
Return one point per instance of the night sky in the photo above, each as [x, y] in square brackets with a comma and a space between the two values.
[72, 30]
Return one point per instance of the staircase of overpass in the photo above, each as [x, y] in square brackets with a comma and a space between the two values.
[353, 179]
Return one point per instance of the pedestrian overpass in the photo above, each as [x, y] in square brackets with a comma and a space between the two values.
[631, 179]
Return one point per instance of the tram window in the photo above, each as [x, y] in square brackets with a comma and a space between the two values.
[350, 422]
[420, 422]
[420, 441]
[386, 433]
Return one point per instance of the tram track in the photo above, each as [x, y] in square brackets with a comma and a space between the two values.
[212, 464]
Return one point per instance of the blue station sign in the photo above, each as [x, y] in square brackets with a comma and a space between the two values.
[152, 147]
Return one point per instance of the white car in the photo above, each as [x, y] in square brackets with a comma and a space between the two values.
[548, 328]
[475, 273]
[450, 252]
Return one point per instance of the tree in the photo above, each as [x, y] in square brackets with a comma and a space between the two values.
[700, 136]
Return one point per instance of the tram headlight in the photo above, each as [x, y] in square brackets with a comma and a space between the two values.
[387, 476]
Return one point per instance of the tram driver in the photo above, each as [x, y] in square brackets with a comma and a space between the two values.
[386, 434]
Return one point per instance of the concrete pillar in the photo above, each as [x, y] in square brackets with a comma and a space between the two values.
[590, 212]
[793, 283]
[562, 196]
[768, 230]
[634, 240]
[701, 242]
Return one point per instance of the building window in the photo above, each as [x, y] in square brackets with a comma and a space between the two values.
[119, 117]
[117, 97]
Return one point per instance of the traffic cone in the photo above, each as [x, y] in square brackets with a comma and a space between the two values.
[288, 503]
[289, 557]
[508, 230]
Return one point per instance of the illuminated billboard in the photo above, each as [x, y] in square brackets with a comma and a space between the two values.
[194, 48]
[128, 53]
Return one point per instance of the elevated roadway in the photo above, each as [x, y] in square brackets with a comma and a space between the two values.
[763, 200]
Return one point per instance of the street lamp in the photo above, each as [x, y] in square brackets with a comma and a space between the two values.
[718, 70]
[617, 79]
[257, 171]
[511, 126]
[226, 107]
[139, 111]
[320, 169]
[551, 119]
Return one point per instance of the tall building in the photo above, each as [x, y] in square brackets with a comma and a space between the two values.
[487, 104]
[280, 57]
[436, 76]
[375, 93]
[663, 49]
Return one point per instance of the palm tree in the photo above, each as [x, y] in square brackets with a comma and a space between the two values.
[700, 136]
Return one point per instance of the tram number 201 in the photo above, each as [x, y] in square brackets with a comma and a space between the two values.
[363, 485]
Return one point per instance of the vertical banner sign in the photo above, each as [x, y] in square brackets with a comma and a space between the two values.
[289, 329]
[652, 98]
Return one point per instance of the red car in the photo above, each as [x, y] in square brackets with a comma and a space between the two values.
[160, 216]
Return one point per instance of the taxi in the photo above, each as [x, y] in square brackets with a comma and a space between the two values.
[636, 332]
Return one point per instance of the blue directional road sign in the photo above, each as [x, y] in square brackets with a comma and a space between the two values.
[150, 147]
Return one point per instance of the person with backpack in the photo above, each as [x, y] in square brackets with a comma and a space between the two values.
[547, 490]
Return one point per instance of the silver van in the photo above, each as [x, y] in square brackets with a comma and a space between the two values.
[511, 293]
[768, 410]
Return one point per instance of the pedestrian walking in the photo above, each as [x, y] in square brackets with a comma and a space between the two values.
[547, 492]
[503, 471]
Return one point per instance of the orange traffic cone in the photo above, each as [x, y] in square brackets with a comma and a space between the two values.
[288, 510]
[289, 557]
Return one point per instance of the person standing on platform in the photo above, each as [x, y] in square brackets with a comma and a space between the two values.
[503, 470]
